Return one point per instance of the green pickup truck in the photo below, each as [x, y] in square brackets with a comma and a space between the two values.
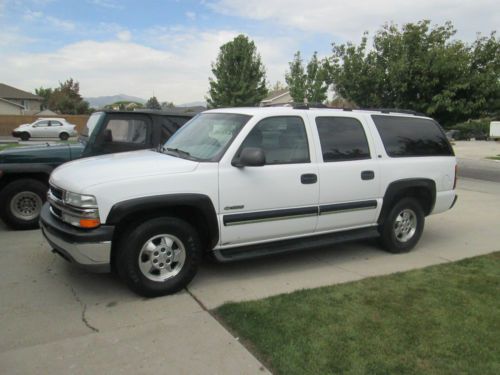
[25, 171]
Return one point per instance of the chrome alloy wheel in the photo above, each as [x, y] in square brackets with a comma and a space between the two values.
[162, 257]
[26, 205]
[405, 225]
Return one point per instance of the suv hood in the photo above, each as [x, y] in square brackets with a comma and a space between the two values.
[79, 175]
[45, 153]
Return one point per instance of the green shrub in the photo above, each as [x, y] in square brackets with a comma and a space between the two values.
[473, 128]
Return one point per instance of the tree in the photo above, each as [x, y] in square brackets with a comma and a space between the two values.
[310, 83]
[153, 103]
[66, 99]
[45, 94]
[239, 75]
[422, 68]
[296, 79]
[167, 105]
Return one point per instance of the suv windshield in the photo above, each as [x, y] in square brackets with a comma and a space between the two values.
[206, 137]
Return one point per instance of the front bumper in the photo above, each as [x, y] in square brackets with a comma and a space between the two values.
[16, 134]
[89, 249]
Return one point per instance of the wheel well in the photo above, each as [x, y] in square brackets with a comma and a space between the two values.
[191, 215]
[10, 177]
[422, 193]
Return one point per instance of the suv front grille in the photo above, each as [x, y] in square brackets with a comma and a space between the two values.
[56, 192]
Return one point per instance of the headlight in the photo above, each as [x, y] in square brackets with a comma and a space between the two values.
[80, 200]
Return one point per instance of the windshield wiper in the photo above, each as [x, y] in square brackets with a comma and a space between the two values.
[178, 151]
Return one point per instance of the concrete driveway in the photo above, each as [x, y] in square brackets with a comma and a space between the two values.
[56, 319]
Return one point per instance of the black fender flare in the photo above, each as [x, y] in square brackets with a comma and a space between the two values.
[396, 187]
[26, 168]
[156, 203]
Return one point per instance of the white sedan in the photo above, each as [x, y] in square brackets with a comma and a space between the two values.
[46, 128]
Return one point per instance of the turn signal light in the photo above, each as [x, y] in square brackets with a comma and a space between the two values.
[89, 223]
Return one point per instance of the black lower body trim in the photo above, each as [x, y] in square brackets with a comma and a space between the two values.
[255, 217]
[294, 244]
[454, 201]
[351, 206]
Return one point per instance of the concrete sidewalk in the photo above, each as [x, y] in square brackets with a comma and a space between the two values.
[56, 319]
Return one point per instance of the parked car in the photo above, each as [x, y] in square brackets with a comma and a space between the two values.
[46, 128]
[24, 171]
[246, 182]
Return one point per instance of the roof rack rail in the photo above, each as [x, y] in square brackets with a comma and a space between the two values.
[298, 105]
[395, 110]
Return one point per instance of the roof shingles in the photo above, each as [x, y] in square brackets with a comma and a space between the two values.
[9, 92]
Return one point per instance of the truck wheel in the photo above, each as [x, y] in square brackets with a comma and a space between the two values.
[64, 136]
[21, 202]
[159, 257]
[24, 136]
[403, 226]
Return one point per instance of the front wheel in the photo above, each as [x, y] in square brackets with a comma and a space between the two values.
[24, 136]
[21, 203]
[159, 257]
[403, 226]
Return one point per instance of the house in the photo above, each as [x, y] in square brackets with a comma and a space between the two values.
[277, 97]
[18, 102]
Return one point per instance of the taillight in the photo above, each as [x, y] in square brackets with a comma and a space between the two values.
[456, 175]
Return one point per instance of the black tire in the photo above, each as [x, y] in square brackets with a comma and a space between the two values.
[24, 136]
[129, 252]
[395, 240]
[64, 136]
[19, 206]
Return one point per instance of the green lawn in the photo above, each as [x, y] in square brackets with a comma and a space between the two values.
[8, 145]
[443, 319]
[494, 157]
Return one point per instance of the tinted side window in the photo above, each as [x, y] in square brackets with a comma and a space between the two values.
[342, 138]
[42, 123]
[55, 123]
[283, 139]
[406, 136]
[128, 130]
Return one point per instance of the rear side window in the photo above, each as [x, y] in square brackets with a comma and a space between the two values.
[127, 130]
[342, 139]
[406, 136]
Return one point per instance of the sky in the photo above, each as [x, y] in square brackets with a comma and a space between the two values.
[165, 48]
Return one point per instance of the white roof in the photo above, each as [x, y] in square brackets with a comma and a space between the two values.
[51, 118]
[259, 111]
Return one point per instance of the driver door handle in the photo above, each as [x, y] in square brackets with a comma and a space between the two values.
[309, 178]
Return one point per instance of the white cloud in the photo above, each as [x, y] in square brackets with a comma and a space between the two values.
[348, 19]
[57, 23]
[191, 15]
[111, 4]
[124, 35]
[176, 69]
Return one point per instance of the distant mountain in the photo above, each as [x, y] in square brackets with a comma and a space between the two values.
[193, 104]
[101, 101]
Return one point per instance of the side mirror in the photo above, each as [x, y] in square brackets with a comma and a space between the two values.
[34, 126]
[250, 157]
[107, 136]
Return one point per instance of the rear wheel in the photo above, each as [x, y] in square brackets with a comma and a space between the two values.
[24, 136]
[159, 257]
[21, 203]
[403, 226]
[64, 136]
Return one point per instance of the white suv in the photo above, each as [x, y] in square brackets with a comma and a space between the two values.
[246, 182]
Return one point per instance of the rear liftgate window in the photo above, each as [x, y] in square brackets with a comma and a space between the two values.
[406, 136]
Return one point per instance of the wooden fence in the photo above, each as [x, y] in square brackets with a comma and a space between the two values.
[10, 122]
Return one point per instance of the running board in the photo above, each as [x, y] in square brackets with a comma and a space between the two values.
[295, 244]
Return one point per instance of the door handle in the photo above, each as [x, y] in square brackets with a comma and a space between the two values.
[367, 175]
[309, 178]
